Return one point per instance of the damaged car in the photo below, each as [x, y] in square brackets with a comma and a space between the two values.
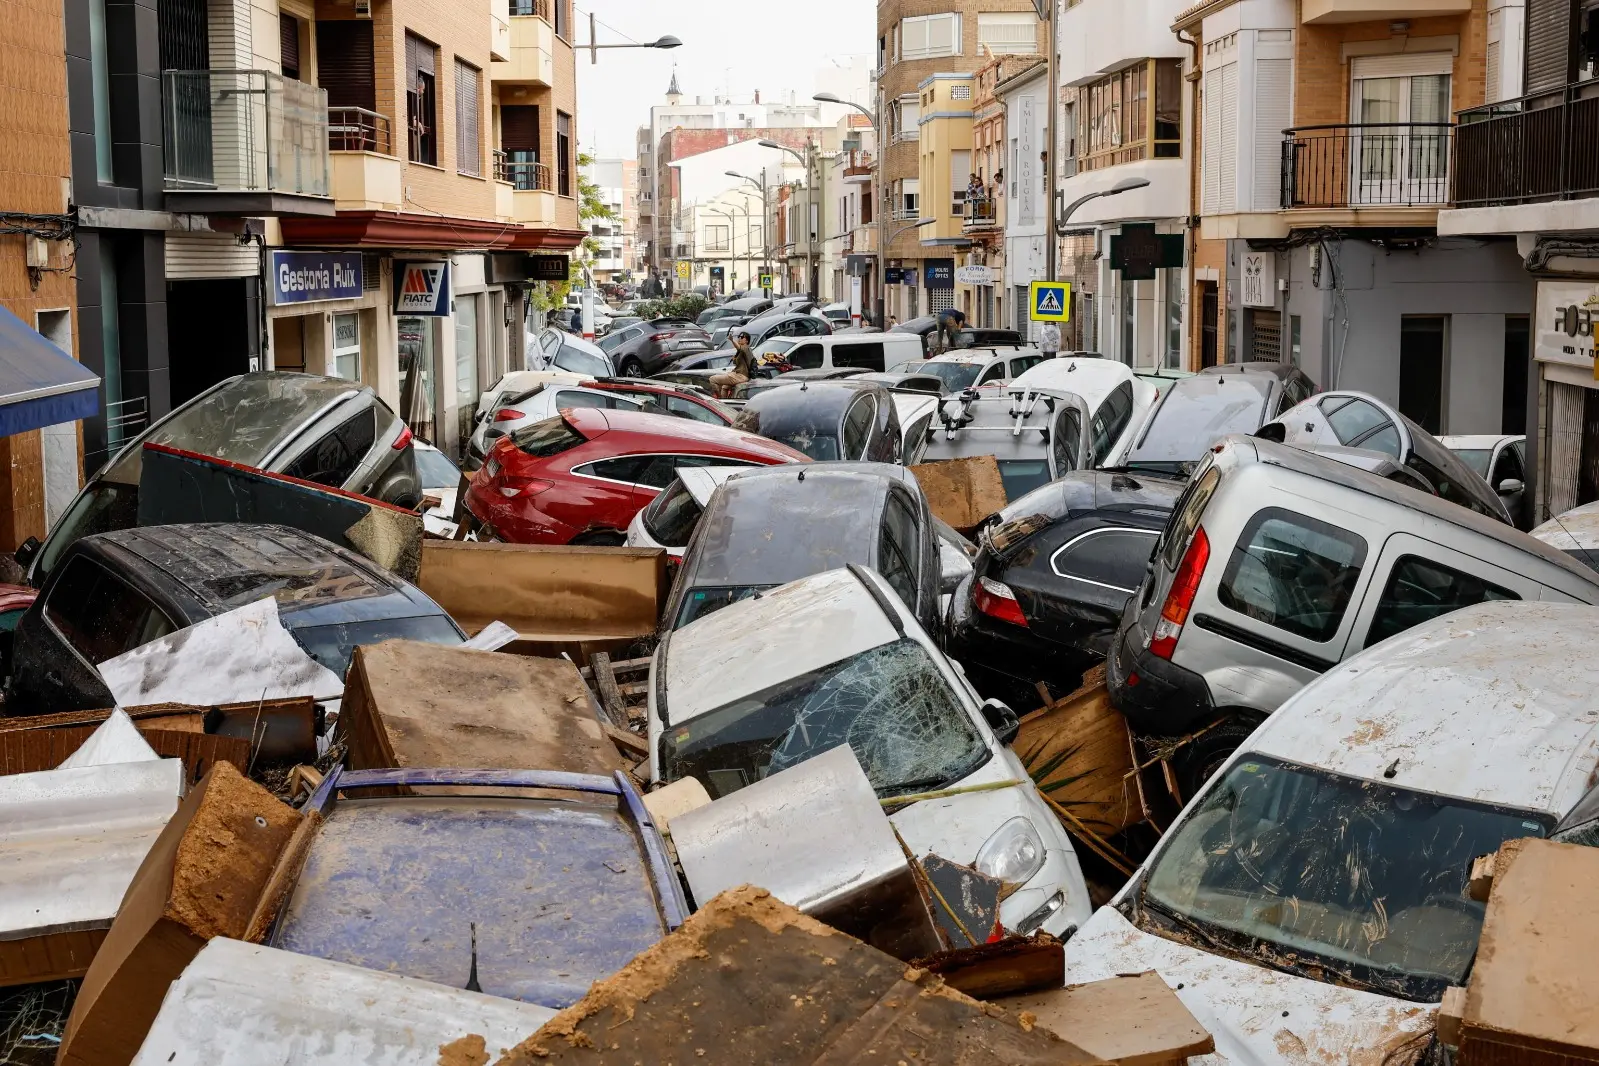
[1312, 899]
[828, 420]
[837, 658]
[1033, 439]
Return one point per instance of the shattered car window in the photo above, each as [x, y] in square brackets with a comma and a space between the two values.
[1332, 877]
[890, 705]
[701, 602]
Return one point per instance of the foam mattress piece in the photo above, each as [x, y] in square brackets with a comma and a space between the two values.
[241, 1004]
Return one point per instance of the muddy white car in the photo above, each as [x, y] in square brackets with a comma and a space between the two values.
[769, 682]
[1310, 902]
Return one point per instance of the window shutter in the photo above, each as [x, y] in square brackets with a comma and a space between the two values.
[1273, 94]
[1549, 40]
[344, 63]
[1227, 194]
[418, 58]
[1008, 33]
[519, 128]
[468, 121]
[914, 34]
[289, 44]
[943, 35]
[1493, 91]
[1210, 144]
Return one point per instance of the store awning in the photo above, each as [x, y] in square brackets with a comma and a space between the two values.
[40, 385]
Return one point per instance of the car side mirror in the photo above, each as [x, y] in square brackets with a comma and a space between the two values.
[27, 552]
[1002, 720]
[1510, 486]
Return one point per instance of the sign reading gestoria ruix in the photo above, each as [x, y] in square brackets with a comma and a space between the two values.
[422, 289]
[305, 277]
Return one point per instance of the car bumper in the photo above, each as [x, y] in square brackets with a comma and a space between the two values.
[1012, 653]
[1156, 696]
[516, 520]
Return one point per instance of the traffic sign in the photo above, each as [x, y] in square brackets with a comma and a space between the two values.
[1051, 301]
[768, 281]
[685, 270]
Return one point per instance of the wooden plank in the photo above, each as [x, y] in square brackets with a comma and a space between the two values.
[1004, 968]
[1079, 753]
[628, 743]
[1133, 1020]
[31, 750]
[962, 492]
[605, 683]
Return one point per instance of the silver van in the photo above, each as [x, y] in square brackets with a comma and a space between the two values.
[1278, 564]
[873, 352]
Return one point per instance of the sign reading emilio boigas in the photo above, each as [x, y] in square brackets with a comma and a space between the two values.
[1568, 315]
[422, 289]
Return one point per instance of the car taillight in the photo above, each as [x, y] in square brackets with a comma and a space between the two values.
[512, 486]
[995, 599]
[508, 414]
[405, 438]
[1180, 600]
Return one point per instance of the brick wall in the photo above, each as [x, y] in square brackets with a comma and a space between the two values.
[1321, 77]
[34, 167]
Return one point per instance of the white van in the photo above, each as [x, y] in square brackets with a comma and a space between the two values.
[870, 351]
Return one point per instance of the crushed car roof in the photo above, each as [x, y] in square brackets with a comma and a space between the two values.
[1493, 703]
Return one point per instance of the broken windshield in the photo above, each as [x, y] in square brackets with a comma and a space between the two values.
[1333, 878]
[890, 705]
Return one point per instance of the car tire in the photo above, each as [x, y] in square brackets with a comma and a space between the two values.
[599, 538]
[632, 368]
[1197, 762]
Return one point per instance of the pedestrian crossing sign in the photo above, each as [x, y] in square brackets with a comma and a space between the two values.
[767, 281]
[1051, 301]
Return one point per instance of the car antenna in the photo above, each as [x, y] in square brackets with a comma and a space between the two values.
[471, 978]
[802, 475]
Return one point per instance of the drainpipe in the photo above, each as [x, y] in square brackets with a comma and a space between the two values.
[1194, 77]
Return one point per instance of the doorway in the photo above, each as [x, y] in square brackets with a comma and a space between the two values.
[1518, 368]
[1421, 370]
[1209, 312]
[213, 332]
[1401, 137]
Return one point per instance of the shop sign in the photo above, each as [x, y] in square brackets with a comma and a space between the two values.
[305, 277]
[893, 275]
[548, 268]
[975, 275]
[940, 273]
[1260, 279]
[422, 289]
[1568, 315]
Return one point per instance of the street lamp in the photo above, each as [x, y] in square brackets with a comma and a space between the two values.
[812, 203]
[594, 47]
[1125, 185]
[732, 225]
[765, 219]
[877, 149]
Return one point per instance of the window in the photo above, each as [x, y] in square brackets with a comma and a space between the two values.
[1022, 364]
[858, 427]
[547, 438]
[563, 19]
[1507, 467]
[1358, 424]
[659, 471]
[421, 100]
[1064, 440]
[1420, 590]
[466, 390]
[468, 120]
[1110, 558]
[682, 408]
[805, 357]
[1111, 420]
[100, 615]
[334, 459]
[347, 346]
[289, 45]
[1008, 33]
[993, 374]
[897, 556]
[100, 84]
[869, 356]
[960, 175]
[1294, 573]
[626, 469]
[563, 153]
[930, 36]
[1123, 120]
[718, 238]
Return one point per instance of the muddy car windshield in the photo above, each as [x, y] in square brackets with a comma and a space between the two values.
[890, 705]
[955, 376]
[1198, 412]
[1331, 877]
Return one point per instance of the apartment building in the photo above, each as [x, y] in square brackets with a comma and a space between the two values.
[39, 446]
[1328, 142]
[337, 188]
[850, 249]
[928, 52]
[1525, 172]
[616, 181]
[1008, 218]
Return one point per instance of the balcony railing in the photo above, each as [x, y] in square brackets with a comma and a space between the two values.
[355, 129]
[981, 213]
[522, 171]
[1543, 147]
[541, 8]
[1397, 164]
[906, 214]
[902, 136]
[244, 131]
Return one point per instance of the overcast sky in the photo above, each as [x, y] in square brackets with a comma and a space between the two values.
[728, 48]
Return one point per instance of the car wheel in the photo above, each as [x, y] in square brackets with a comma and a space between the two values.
[600, 538]
[1197, 762]
[632, 368]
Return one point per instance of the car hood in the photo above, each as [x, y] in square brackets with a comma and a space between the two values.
[1256, 1015]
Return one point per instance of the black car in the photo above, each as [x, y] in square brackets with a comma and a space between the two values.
[1195, 412]
[901, 381]
[1051, 578]
[828, 420]
[785, 324]
[795, 377]
[649, 346]
[117, 591]
[970, 337]
[833, 515]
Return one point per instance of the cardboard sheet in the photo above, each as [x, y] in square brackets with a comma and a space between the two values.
[962, 492]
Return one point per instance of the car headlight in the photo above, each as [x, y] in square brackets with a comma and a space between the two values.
[1014, 853]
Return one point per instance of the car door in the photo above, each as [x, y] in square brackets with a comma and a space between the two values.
[1074, 581]
[898, 555]
[333, 456]
[1066, 443]
[1417, 580]
[994, 375]
[857, 427]
[1110, 421]
[1507, 467]
[805, 356]
[608, 492]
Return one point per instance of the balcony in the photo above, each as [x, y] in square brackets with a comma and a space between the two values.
[245, 142]
[366, 174]
[1325, 12]
[858, 168]
[905, 214]
[905, 136]
[500, 30]
[1534, 149]
[532, 187]
[532, 46]
[1393, 174]
[981, 216]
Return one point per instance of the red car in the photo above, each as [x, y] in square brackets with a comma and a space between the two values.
[580, 478]
[672, 399]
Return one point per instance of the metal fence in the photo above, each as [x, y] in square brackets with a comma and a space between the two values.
[355, 129]
[1394, 164]
[523, 171]
[1543, 147]
[244, 130]
[541, 8]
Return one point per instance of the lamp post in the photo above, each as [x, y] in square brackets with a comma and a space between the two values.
[594, 47]
[1063, 217]
[766, 266]
[812, 203]
[732, 225]
[877, 192]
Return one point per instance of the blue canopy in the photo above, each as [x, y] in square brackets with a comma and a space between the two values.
[40, 385]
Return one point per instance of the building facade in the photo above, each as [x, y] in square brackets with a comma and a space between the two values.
[616, 183]
[927, 52]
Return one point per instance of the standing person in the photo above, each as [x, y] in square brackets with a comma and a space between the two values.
[1049, 340]
[950, 323]
[742, 370]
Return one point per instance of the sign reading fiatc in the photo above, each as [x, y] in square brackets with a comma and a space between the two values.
[305, 277]
[422, 289]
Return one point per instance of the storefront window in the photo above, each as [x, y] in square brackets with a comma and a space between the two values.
[1174, 319]
[347, 346]
[466, 350]
[418, 346]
